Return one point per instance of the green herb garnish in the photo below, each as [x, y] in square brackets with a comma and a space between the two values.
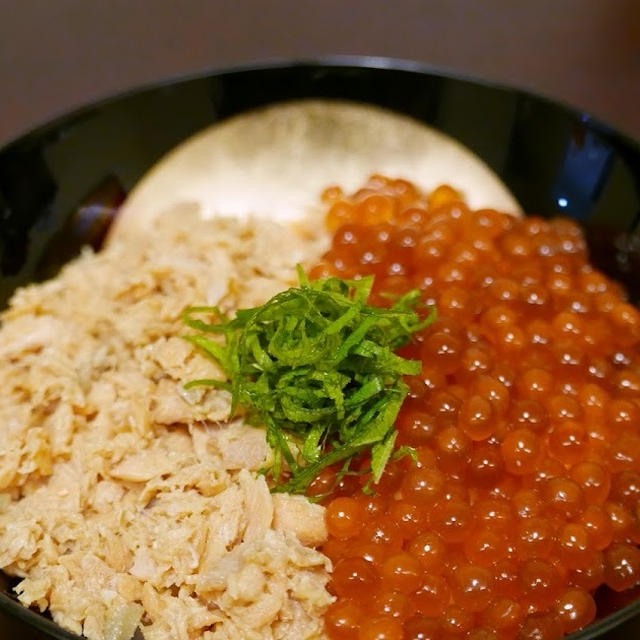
[316, 366]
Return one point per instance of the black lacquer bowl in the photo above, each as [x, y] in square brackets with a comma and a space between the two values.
[60, 185]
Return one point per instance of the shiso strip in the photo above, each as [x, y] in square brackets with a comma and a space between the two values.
[316, 366]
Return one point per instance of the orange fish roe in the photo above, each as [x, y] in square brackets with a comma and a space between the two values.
[526, 421]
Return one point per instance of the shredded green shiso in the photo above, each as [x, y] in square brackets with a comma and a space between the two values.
[316, 366]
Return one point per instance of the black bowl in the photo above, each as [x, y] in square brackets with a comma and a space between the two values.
[60, 185]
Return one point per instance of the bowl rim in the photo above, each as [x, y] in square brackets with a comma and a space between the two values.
[602, 625]
[337, 61]
[43, 623]
[34, 619]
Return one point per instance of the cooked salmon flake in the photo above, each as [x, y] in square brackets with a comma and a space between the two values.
[127, 501]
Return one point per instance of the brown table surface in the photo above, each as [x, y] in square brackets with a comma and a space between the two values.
[56, 55]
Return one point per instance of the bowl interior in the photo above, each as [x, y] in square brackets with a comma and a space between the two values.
[60, 185]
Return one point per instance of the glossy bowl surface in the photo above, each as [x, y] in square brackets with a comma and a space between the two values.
[60, 185]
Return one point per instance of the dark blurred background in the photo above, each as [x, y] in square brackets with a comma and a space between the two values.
[56, 55]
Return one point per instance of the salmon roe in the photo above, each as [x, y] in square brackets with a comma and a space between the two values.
[525, 496]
